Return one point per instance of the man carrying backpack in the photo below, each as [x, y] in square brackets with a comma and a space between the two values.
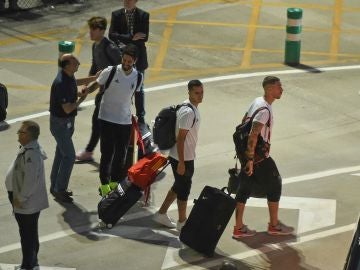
[115, 117]
[182, 156]
[264, 170]
[104, 53]
[130, 25]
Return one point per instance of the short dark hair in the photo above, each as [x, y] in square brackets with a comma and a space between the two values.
[130, 50]
[97, 22]
[194, 83]
[270, 80]
[33, 128]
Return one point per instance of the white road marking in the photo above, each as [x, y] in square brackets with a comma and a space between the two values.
[151, 210]
[173, 260]
[204, 80]
[82, 229]
[322, 174]
[314, 213]
[306, 177]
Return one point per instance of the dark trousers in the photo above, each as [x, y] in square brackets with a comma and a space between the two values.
[182, 183]
[28, 228]
[114, 142]
[95, 128]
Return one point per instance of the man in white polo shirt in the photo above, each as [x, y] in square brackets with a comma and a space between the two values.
[115, 119]
[182, 156]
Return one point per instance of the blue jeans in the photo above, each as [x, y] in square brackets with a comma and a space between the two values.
[62, 129]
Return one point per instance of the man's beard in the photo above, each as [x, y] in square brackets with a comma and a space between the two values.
[126, 68]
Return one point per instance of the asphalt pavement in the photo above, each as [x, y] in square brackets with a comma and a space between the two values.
[230, 45]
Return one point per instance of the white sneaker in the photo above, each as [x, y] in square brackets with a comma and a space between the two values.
[179, 225]
[164, 219]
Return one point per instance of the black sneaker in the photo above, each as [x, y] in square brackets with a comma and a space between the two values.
[68, 192]
[63, 197]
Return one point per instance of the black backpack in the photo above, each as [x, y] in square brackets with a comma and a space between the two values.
[3, 102]
[164, 127]
[241, 136]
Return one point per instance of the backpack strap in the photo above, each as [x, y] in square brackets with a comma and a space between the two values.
[256, 112]
[110, 78]
[138, 82]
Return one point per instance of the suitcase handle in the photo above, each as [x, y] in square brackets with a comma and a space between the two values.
[226, 188]
[223, 190]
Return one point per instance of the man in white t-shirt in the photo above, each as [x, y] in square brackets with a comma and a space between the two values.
[263, 171]
[115, 119]
[182, 156]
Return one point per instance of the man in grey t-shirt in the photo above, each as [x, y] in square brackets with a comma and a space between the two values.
[104, 53]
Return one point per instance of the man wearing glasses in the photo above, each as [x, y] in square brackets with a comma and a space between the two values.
[25, 183]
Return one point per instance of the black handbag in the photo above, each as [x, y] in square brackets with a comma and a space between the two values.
[258, 190]
[234, 179]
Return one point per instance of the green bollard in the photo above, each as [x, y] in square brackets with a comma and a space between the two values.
[293, 31]
[65, 47]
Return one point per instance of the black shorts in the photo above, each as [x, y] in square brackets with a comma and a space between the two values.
[182, 184]
[265, 179]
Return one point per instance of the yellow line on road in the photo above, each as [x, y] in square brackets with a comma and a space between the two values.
[351, 9]
[164, 44]
[33, 36]
[38, 62]
[80, 39]
[193, 4]
[27, 61]
[246, 60]
[241, 25]
[336, 30]
[207, 23]
[28, 87]
[299, 5]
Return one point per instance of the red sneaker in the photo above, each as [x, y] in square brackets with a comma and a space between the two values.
[243, 232]
[280, 229]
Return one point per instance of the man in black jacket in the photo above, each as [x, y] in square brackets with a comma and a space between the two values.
[104, 53]
[131, 25]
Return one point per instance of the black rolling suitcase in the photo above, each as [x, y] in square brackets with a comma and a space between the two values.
[112, 207]
[353, 258]
[207, 220]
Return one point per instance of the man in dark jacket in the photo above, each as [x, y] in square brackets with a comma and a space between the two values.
[104, 53]
[131, 25]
